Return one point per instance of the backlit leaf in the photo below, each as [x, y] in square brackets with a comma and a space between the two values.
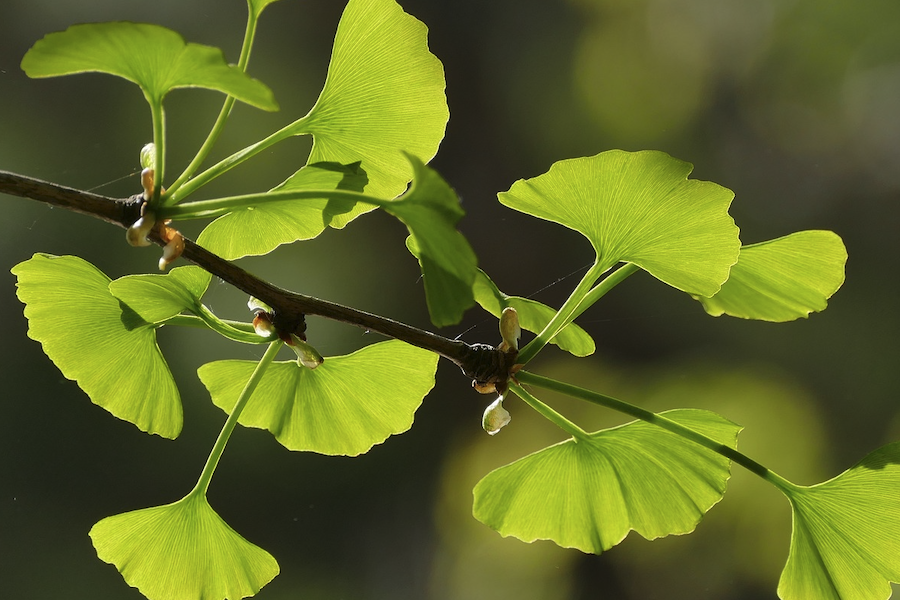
[782, 279]
[384, 95]
[430, 210]
[589, 494]
[533, 316]
[257, 230]
[182, 551]
[846, 539]
[155, 58]
[158, 297]
[639, 207]
[344, 406]
[98, 342]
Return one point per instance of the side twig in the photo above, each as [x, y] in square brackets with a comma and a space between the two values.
[480, 362]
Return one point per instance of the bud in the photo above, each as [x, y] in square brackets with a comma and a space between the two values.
[495, 417]
[307, 356]
[256, 306]
[147, 183]
[173, 249]
[262, 325]
[509, 330]
[136, 235]
[148, 156]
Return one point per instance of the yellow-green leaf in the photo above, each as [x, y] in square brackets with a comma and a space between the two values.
[589, 494]
[383, 96]
[183, 551]
[155, 58]
[640, 207]
[98, 342]
[782, 279]
[344, 406]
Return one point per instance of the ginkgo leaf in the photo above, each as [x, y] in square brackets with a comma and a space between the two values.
[384, 95]
[782, 279]
[430, 210]
[533, 316]
[98, 342]
[158, 297]
[344, 406]
[846, 539]
[639, 207]
[155, 58]
[257, 230]
[589, 494]
[182, 551]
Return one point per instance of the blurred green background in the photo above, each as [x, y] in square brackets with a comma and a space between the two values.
[793, 105]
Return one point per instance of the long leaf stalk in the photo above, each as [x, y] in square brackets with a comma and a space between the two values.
[158, 115]
[219, 206]
[548, 413]
[219, 447]
[578, 301]
[226, 164]
[601, 289]
[660, 421]
[233, 330]
[219, 124]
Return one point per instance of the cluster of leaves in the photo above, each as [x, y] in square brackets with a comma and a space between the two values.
[640, 211]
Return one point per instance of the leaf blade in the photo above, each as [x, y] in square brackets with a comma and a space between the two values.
[383, 96]
[782, 279]
[639, 207]
[153, 57]
[258, 230]
[182, 551]
[156, 298]
[430, 211]
[846, 538]
[589, 494]
[345, 406]
[111, 353]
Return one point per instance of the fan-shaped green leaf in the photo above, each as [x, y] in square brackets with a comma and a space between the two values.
[846, 539]
[589, 494]
[639, 207]
[258, 230]
[384, 95]
[158, 297]
[344, 406]
[782, 279]
[183, 551]
[430, 210]
[533, 316]
[98, 342]
[155, 58]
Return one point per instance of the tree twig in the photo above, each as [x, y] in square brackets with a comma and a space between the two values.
[480, 362]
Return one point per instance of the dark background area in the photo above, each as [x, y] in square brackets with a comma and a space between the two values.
[793, 105]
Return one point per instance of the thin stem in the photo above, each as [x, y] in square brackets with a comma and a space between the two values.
[227, 330]
[229, 163]
[554, 417]
[219, 447]
[219, 125]
[563, 314]
[220, 206]
[600, 290]
[658, 420]
[233, 330]
[159, 142]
